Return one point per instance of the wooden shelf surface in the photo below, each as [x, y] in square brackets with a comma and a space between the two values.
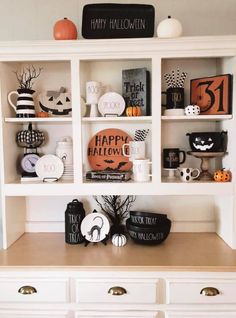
[180, 252]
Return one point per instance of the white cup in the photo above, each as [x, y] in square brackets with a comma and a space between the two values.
[188, 174]
[141, 170]
[136, 150]
[93, 92]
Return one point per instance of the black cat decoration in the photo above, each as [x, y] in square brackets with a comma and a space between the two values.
[95, 227]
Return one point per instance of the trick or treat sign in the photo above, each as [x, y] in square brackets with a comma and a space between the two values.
[105, 150]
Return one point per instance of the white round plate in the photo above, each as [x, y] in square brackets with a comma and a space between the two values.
[95, 227]
[49, 168]
[111, 104]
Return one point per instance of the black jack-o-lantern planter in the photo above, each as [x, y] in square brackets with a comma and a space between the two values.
[208, 141]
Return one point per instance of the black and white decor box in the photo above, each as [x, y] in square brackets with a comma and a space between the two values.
[136, 89]
[113, 20]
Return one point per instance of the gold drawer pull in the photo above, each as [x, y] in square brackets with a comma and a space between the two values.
[27, 290]
[209, 291]
[117, 291]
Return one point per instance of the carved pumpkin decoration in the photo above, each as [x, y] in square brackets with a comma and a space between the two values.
[222, 175]
[119, 239]
[133, 111]
[65, 29]
[56, 103]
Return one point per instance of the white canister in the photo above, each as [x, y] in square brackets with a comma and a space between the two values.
[64, 150]
[141, 168]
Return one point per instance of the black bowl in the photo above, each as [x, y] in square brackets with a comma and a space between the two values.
[149, 235]
[146, 218]
[208, 141]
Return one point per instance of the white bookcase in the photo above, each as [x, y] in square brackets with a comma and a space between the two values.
[70, 64]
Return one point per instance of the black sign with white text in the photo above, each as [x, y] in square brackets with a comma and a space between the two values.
[112, 20]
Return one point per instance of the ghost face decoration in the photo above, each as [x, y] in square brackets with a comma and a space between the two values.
[208, 141]
[55, 103]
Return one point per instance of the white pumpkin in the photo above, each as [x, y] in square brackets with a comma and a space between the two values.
[119, 239]
[169, 28]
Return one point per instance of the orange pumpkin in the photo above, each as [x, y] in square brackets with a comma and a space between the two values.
[222, 175]
[133, 111]
[42, 114]
[65, 30]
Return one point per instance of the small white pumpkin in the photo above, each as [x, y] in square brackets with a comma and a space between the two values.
[119, 239]
[169, 28]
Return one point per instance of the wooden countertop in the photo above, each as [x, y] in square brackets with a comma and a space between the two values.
[180, 252]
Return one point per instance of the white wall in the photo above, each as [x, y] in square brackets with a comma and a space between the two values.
[34, 19]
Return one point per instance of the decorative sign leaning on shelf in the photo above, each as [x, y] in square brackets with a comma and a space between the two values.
[136, 91]
[112, 20]
[213, 94]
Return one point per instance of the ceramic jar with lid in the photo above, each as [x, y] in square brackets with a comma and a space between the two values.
[64, 150]
[74, 215]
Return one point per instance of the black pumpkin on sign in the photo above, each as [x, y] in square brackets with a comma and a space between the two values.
[208, 141]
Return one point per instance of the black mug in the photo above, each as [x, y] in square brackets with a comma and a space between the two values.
[174, 97]
[171, 158]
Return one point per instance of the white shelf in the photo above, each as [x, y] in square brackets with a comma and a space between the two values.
[197, 118]
[126, 119]
[119, 188]
[39, 120]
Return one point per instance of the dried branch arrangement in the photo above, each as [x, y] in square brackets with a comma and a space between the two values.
[117, 209]
[26, 76]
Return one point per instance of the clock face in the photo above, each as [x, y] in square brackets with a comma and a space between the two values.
[28, 162]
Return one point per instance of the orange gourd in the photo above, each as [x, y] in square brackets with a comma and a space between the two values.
[65, 29]
[222, 176]
[133, 111]
[42, 114]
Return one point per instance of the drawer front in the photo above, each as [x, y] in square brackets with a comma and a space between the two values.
[117, 315]
[105, 292]
[32, 314]
[206, 292]
[34, 290]
[202, 315]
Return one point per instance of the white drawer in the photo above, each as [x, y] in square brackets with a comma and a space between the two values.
[189, 291]
[98, 291]
[46, 290]
[26, 314]
[117, 315]
[201, 314]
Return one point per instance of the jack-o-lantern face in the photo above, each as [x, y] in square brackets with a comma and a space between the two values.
[222, 176]
[203, 144]
[56, 103]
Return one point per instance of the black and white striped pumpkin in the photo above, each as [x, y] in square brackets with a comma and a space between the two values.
[119, 239]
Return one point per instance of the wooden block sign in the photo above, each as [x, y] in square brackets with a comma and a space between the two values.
[212, 94]
[113, 20]
[105, 150]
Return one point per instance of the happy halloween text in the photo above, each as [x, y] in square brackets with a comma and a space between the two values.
[118, 24]
[107, 145]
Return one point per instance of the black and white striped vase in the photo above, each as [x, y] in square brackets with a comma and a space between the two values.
[24, 107]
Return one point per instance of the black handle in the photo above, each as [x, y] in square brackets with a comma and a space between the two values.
[165, 105]
[184, 156]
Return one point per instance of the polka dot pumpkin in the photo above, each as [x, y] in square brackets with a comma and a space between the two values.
[222, 176]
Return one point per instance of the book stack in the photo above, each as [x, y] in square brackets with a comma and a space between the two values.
[109, 175]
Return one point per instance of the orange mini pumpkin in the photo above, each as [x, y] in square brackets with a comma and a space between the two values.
[222, 175]
[133, 111]
[42, 114]
[65, 29]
